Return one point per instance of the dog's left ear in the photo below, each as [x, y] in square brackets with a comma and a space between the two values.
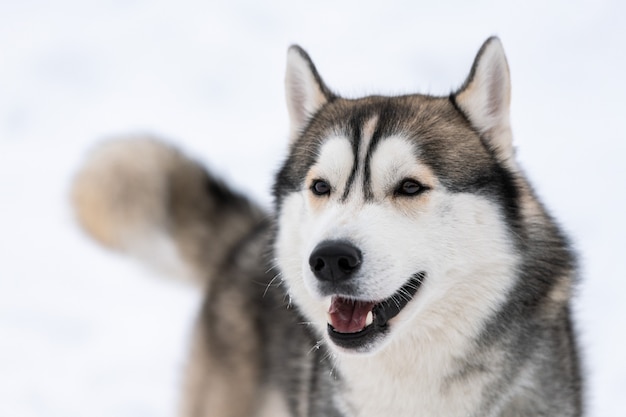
[305, 91]
[485, 98]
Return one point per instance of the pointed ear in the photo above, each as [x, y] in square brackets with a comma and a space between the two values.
[485, 98]
[305, 91]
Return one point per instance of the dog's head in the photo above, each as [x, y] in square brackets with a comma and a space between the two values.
[394, 212]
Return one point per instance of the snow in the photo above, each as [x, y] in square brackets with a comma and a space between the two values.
[87, 332]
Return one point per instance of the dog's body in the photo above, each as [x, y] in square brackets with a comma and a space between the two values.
[413, 272]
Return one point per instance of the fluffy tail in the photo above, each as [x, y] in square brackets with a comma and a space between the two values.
[144, 197]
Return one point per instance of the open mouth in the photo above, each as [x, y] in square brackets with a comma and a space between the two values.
[353, 323]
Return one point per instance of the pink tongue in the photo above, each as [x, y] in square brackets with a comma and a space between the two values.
[349, 316]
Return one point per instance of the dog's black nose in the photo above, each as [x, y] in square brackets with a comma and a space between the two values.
[335, 260]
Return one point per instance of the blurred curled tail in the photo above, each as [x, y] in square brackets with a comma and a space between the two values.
[145, 198]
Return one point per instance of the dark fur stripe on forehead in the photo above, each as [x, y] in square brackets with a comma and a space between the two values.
[388, 124]
[355, 132]
[388, 117]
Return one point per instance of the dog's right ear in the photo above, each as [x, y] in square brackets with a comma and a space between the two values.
[305, 91]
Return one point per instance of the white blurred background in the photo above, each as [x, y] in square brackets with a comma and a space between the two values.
[87, 333]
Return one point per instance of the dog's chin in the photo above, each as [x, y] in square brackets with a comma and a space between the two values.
[362, 327]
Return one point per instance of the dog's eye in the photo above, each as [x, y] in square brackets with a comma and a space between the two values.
[409, 188]
[320, 187]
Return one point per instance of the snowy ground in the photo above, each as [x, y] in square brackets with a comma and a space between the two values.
[87, 333]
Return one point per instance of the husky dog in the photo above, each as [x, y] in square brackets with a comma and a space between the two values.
[408, 269]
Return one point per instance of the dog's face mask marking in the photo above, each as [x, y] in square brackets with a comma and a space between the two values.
[385, 217]
[353, 267]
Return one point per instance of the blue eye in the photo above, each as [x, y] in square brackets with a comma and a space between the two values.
[320, 187]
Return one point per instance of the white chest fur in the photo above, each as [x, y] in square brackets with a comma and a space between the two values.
[410, 382]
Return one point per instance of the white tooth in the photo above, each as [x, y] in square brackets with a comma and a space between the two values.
[328, 317]
[369, 319]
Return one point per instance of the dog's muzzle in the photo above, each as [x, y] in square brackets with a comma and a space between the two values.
[354, 323]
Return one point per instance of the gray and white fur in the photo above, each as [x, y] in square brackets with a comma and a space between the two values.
[407, 267]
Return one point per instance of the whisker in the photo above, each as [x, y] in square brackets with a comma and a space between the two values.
[267, 287]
